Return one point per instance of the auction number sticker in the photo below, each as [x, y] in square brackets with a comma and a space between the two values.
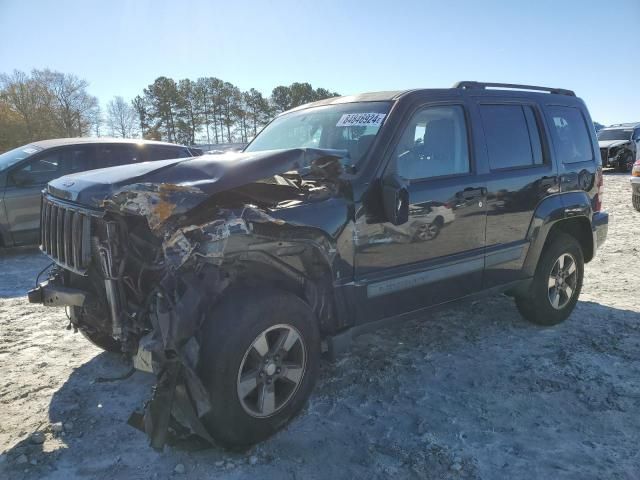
[361, 120]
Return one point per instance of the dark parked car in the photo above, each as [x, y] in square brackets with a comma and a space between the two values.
[227, 275]
[25, 171]
[620, 146]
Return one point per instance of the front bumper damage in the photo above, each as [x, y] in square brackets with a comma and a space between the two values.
[195, 241]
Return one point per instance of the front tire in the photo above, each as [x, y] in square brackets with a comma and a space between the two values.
[626, 164]
[259, 362]
[94, 328]
[557, 283]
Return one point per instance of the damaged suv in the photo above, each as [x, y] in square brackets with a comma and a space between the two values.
[620, 146]
[228, 275]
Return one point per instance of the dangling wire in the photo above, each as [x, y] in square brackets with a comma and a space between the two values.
[42, 271]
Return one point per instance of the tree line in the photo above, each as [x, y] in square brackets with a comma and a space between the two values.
[48, 104]
[212, 110]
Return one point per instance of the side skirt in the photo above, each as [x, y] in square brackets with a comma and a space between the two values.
[341, 342]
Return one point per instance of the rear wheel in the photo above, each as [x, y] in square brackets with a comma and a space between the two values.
[636, 201]
[259, 362]
[556, 284]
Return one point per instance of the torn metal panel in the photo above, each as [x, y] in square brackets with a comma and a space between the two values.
[156, 202]
[171, 350]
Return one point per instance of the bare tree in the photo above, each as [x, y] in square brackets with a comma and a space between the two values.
[122, 118]
[68, 101]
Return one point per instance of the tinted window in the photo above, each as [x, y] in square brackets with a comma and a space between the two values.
[40, 170]
[512, 136]
[165, 153]
[111, 155]
[572, 140]
[80, 158]
[615, 134]
[434, 144]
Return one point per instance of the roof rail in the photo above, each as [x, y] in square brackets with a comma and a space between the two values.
[467, 85]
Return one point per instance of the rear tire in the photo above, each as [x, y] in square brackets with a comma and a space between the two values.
[547, 302]
[636, 202]
[260, 353]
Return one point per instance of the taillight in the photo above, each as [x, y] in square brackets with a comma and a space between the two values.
[635, 171]
[600, 184]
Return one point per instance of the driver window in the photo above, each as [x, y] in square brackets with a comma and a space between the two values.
[39, 171]
[434, 144]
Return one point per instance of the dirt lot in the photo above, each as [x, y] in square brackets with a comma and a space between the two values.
[471, 392]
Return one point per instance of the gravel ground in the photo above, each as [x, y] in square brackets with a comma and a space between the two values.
[470, 392]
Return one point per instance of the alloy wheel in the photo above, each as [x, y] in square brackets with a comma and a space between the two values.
[271, 371]
[562, 281]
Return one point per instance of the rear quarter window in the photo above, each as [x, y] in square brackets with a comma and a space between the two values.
[166, 153]
[571, 138]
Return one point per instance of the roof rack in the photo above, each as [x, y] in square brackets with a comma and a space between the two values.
[467, 85]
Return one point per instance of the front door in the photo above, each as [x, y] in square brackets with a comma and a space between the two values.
[438, 254]
[26, 181]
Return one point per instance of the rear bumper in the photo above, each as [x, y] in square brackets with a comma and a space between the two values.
[600, 228]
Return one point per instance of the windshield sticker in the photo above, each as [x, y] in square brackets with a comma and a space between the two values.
[361, 120]
[29, 150]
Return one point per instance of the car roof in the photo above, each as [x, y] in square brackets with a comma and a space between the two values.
[472, 87]
[58, 142]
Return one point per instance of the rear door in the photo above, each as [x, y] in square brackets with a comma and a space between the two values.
[438, 255]
[521, 174]
[26, 181]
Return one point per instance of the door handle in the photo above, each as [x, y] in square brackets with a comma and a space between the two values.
[471, 193]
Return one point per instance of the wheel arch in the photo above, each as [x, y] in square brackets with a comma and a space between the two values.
[307, 274]
[568, 213]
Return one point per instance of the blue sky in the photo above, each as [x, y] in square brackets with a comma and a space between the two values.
[120, 47]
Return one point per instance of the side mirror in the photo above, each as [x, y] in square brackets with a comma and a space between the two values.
[395, 199]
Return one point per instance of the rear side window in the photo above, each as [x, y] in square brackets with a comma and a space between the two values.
[112, 155]
[512, 136]
[166, 153]
[571, 135]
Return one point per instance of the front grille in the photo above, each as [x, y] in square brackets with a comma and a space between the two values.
[604, 154]
[65, 233]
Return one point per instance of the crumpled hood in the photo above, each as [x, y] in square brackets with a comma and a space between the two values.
[611, 143]
[208, 173]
